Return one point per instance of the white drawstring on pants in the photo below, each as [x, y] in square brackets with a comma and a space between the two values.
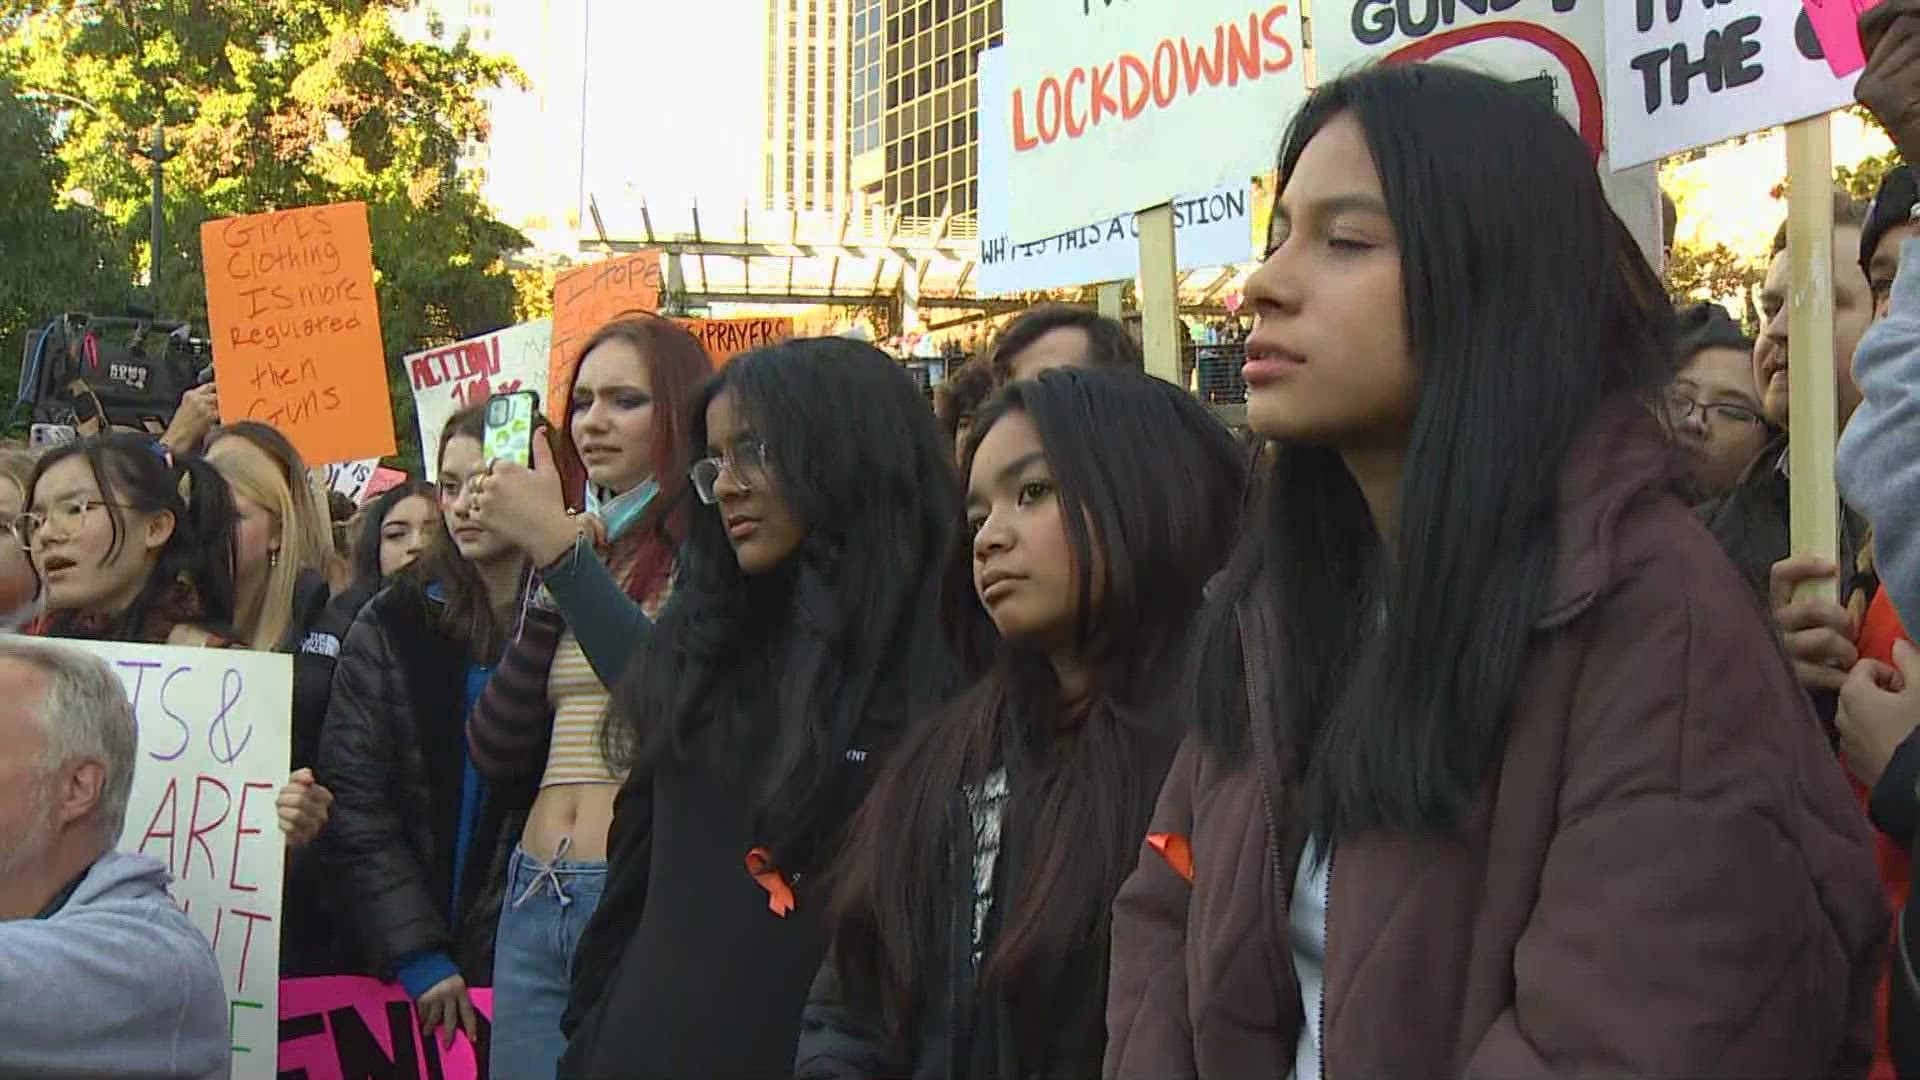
[548, 875]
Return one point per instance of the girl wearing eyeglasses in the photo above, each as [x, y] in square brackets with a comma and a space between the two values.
[420, 838]
[130, 546]
[801, 640]
[623, 437]
[970, 906]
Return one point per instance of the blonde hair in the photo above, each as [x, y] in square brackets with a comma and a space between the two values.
[306, 543]
[16, 464]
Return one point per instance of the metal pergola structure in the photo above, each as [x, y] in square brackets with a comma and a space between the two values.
[866, 257]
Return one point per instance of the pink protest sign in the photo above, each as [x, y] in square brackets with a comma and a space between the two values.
[1835, 24]
[341, 1026]
[382, 481]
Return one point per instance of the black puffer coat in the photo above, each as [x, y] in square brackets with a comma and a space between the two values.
[311, 941]
[393, 752]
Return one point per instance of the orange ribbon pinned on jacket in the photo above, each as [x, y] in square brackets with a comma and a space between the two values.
[1174, 848]
[779, 894]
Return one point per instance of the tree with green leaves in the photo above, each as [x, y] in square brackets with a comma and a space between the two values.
[60, 255]
[272, 104]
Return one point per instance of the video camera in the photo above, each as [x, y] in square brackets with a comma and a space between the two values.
[93, 372]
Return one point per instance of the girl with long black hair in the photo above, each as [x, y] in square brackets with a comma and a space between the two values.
[419, 842]
[1499, 771]
[970, 911]
[801, 640]
[131, 545]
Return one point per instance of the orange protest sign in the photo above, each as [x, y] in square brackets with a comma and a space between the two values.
[587, 298]
[296, 329]
[725, 339]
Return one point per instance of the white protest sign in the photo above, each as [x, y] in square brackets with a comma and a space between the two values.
[1214, 228]
[215, 742]
[448, 379]
[1554, 48]
[1687, 74]
[350, 478]
[1118, 105]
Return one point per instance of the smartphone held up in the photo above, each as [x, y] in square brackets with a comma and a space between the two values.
[510, 424]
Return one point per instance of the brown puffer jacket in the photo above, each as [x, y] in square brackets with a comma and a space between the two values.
[1665, 876]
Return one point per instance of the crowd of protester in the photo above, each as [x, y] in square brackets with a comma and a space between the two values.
[1467, 714]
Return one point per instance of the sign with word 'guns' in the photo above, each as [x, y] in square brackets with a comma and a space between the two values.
[296, 329]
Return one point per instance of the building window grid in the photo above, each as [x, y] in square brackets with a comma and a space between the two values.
[933, 90]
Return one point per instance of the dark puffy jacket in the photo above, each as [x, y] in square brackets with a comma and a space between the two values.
[310, 939]
[1663, 875]
[393, 753]
[1751, 525]
[319, 628]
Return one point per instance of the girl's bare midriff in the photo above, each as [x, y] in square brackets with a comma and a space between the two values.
[581, 811]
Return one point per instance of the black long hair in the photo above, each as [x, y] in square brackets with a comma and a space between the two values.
[1528, 304]
[134, 475]
[844, 636]
[1150, 489]
[373, 520]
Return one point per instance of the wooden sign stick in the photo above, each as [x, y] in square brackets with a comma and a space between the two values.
[1159, 293]
[1815, 503]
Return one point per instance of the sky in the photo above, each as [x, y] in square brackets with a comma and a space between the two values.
[672, 95]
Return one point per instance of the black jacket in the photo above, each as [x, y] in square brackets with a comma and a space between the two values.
[393, 753]
[963, 1033]
[604, 940]
[1895, 809]
[1751, 524]
[839, 1040]
[684, 970]
[319, 627]
[311, 942]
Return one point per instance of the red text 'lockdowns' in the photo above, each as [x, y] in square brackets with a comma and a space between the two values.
[1123, 88]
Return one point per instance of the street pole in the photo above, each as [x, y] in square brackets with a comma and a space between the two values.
[158, 156]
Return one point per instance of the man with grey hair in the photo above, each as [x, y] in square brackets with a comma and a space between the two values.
[100, 975]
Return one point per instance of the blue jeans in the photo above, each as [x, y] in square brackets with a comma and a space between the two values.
[547, 906]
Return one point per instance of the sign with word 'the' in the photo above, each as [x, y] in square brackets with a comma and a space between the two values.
[1213, 228]
[587, 298]
[215, 732]
[1118, 105]
[453, 377]
[1688, 73]
[296, 329]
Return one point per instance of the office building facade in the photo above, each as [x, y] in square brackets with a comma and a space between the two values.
[928, 157]
[805, 150]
